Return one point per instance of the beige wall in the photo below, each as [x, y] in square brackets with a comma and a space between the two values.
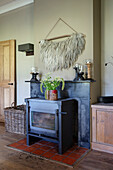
[19, 24]
[33, 22]
[107, 48]
[78, 14]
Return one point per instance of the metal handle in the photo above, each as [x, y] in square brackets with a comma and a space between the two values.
[56, 121]
[10, 84]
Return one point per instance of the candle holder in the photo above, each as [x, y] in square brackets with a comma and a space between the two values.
[78, 73]
[89, 70]
[34, 77]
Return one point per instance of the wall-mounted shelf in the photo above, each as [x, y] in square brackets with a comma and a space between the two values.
[28, 48]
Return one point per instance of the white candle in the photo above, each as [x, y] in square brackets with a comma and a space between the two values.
[88, 61]
[34, 69]
[76, 65]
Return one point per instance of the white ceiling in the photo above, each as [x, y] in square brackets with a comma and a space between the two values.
[8, 5]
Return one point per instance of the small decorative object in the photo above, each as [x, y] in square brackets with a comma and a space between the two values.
[89, 69]
[34, 72]
[79, 72]
[62, 54]
[109, 62]
[85, 72]
[51, 86]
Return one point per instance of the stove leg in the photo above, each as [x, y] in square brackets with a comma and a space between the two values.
[60, 149]
[32, 139]
[28, 140]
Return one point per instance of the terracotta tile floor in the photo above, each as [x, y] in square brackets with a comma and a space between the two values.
[49, 150]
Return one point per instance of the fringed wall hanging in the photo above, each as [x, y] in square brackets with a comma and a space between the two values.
[62, 54]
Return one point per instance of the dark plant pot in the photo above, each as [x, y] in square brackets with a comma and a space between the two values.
[52, 95]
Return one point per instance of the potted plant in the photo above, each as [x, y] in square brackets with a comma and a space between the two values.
[51, 86]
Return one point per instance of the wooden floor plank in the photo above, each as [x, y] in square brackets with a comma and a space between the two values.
[14, 160]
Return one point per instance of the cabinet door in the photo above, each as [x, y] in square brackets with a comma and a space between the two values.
[104, 127]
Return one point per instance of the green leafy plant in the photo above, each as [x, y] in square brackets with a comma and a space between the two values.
[51, 84]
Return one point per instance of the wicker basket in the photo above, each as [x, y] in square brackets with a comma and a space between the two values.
[15, 119]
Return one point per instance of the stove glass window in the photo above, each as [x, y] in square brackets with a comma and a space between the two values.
[43, 120]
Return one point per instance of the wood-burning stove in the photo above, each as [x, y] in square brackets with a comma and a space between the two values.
[51, 120]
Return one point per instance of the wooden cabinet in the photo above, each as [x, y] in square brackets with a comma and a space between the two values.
[102, 127]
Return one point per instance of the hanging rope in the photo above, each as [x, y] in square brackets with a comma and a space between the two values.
[63, 36]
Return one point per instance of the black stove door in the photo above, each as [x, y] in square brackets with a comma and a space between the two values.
[44, 123]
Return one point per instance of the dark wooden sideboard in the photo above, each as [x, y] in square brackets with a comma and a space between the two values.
[80, 91]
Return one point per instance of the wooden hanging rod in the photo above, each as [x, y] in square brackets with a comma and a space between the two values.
[55, 38]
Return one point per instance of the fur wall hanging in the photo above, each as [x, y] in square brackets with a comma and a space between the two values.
[62, 54]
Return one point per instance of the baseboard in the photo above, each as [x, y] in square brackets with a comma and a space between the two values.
[102, 147]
